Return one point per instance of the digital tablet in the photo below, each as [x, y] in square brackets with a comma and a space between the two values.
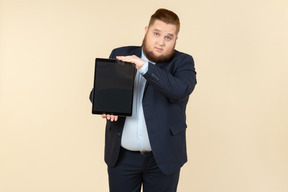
[113, 87]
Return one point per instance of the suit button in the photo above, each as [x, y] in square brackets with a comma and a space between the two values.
[119, 134]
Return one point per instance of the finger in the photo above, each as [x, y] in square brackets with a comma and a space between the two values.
[113, 118]
[126, 58]
[103, 116]
[122, 58]
[132, 59]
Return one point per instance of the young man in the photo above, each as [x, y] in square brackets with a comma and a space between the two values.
[149, 148]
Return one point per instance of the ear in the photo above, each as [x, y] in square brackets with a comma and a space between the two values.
[146, 29]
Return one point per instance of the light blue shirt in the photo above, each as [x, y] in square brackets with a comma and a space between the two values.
[135, 135]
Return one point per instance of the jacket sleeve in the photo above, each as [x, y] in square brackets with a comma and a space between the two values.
[91, 95]
[176, 84]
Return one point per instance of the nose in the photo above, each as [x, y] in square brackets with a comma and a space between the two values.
[161, 41]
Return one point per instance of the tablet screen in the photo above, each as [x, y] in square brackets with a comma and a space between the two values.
[113, 87]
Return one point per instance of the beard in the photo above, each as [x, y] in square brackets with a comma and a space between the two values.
[152, 57]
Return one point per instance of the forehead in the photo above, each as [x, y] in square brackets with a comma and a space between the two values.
[161, 26]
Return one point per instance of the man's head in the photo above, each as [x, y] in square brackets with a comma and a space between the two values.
[161, 35]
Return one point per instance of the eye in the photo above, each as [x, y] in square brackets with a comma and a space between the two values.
[168, 38]
[156, 34]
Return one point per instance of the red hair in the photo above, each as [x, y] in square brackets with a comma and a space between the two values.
[167, 17]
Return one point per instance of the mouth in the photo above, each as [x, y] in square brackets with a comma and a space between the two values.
[158, 49]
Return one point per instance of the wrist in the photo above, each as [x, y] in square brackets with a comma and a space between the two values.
[140, 64]
[144, 68]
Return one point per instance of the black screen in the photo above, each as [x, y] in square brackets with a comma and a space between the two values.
[113, 87]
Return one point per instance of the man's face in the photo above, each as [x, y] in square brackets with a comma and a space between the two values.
[159, 41]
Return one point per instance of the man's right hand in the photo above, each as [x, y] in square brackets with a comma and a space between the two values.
[110, 117]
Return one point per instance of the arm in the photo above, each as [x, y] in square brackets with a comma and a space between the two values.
[175, 85]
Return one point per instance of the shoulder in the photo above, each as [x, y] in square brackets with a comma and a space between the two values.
[182, 59]
[127, 50]
[181, 56]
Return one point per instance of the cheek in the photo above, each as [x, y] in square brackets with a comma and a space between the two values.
[150, 43]
[153, 42]
[169, 47]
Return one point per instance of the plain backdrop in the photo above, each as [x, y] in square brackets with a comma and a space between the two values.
[237, 116]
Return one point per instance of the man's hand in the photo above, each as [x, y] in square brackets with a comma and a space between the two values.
[132, 59]
[110, 117]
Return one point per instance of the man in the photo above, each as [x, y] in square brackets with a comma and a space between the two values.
[149, 148]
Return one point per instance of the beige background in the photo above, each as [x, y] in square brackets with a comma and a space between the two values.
[237, 115]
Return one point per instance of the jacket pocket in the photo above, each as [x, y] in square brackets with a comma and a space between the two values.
[178, 128]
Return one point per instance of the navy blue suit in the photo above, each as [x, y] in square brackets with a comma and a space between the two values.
[164, 103]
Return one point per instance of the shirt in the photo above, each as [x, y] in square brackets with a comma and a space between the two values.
[135, 135]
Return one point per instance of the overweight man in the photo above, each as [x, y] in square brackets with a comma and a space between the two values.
[148, 148]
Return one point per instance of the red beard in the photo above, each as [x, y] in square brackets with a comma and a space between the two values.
[152, 57]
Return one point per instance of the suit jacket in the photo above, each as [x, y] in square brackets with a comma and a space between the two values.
[164, 104]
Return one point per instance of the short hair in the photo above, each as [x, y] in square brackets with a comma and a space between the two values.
[167, 17]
